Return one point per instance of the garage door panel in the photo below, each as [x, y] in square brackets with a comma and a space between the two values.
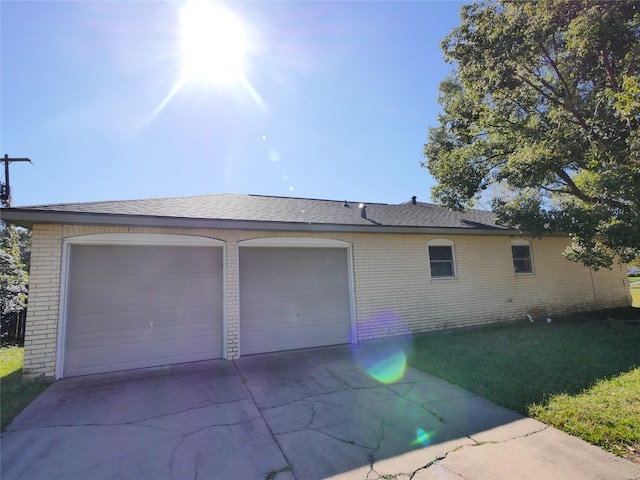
[296, 285]
[304, 321]
[294, 338]
[293, 259]
[136, 306]
[293, 298]
[270, 312]
[293, 286]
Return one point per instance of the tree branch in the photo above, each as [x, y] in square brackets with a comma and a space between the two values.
[554, 65]
[575, 190]
[577, 118]
[555, 190]
[609, 69]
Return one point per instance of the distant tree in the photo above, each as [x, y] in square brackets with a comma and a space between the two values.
[545, 100]
[18, 242]
[14, 276]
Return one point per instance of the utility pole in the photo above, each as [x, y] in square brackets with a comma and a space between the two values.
[5, 189]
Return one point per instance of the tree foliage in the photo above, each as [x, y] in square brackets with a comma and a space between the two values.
[544, 100]
[14, 277]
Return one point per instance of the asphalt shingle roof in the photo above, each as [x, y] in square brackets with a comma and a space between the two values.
[262, 208]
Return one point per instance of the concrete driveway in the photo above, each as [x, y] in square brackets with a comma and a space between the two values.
[306, 414]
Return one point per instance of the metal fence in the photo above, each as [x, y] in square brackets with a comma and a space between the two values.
[13, 325]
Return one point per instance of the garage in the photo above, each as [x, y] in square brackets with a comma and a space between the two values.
[293, 297]
[134, 306]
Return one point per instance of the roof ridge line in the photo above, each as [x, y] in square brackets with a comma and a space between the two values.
[315, 199]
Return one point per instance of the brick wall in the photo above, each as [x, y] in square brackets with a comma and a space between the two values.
[41, 331]
[393, 290]
[396, 289]
[232, 301]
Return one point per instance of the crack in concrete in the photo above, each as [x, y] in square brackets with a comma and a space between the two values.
[424, 407]
[440, 458]
[134, 422]
[320, 431]
[118, 457]
[372, 455]
[348, 442]
[81, 425]
[381, 439]
[305, 399]
[352, 390]
[173, 454]
[491, 442]
[413, 384]
[207, 395]
[246, 386]
[182, 437]
[430, 464]
[199, 430]
[330, 372]
[321, 394]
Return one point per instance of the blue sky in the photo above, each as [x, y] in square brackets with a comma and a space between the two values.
[336, 101]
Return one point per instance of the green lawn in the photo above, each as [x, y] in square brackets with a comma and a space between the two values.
[15, 393]
[635, 297]
[635, 292]
[580, 374]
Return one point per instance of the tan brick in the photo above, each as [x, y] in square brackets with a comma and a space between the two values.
[393, 288]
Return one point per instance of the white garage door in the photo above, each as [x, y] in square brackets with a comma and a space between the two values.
[142, 306]
[293, 298]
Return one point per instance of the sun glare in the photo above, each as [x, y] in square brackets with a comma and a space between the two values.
[213, 43]
[213, 47]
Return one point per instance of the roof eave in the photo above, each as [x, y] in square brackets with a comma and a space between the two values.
[27, 218]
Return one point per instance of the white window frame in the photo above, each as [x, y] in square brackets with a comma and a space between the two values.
[522, 243]
[443, 242]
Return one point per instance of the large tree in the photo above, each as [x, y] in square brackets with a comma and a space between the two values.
[544, 101]
[15, 253]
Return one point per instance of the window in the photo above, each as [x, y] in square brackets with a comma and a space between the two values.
[441, 259]
[521, 252]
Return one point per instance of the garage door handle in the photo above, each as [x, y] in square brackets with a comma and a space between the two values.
[151, 325]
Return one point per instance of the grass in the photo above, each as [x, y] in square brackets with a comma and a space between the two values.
[606, 414]
[635, 297]
[635, 292]
[15, 392]
[580, 374]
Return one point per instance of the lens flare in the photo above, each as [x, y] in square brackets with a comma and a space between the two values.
[422, 437]
[384, 359]
[390, 369]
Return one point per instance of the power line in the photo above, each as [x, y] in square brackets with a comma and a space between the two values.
[5, 188]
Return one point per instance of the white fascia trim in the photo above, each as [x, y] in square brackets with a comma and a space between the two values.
[294, 242]
[150, 239]
[352, 297]
[62, 311]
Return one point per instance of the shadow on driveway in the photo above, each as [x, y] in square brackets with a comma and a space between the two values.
[306, 414]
